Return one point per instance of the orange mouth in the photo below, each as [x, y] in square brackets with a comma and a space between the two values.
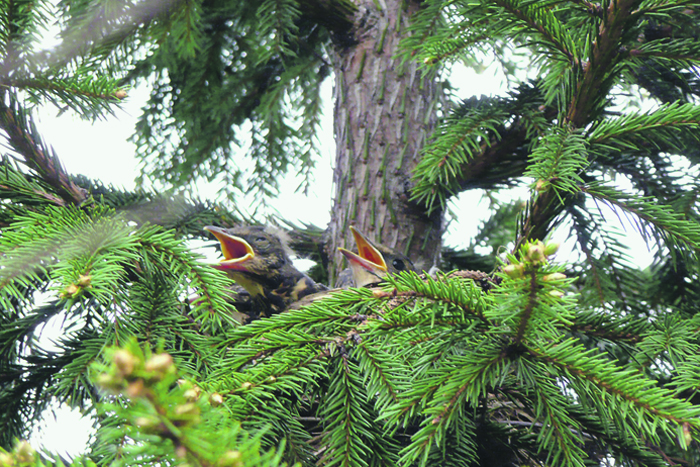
[357, 260]
[367, 258]
[367, 251]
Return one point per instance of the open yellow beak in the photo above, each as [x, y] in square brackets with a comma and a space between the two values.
[367, 251]
[235, 250]
[368, 265]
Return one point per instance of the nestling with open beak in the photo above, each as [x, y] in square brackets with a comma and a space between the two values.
[372, 262]
[257, 258]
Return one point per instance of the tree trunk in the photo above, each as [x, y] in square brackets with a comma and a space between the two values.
[384, 112]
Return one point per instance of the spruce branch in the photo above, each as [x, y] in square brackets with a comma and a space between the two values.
[272, 390]
[670, 340]
[451, 368]
[96, 29]
[622, 444]
[185, 26]
[584, 238]
[268, 344]
[540, 216]
[175, 258]
[380, 370]
[558, 160]
[645, 403]
[524, 318]
[597, 71]
[508, 151]
[444, 393]
[278, 18]
[339, 312]
[460, 137]
[671, 226]
[688, 379]
[65, 240]
[462, 299]
[23, 137]
[350, 432]
[594, 8]
[622, 330]
[538, 19]
[165, 420]
[611, 278]
[473, 140]
[425, 24]
[25, 191]
[87, 96]
[658, 127]
[585, 105]
[19, 386]
[558, 429]
[682, 53]
[460, 38]
[530, 300]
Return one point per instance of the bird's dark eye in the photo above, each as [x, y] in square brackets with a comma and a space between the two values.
[260, 239]
[398, 265]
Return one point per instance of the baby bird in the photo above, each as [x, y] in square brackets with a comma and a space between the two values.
[372, 262]
[257, 258]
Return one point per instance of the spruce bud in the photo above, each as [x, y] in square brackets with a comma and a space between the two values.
[135, 389]
[181, 451]
[110, 382]
[6, 460]
[187, 409]
[687, 435]
[551, 247]
[193, 393]
[556, 276]
[125, 362]
[69, 291]
[216, 399]
[84, 280]
[24, 452]
[535, 252]
[146, 423]
[514, 271]
[231, 459]
[161, 363]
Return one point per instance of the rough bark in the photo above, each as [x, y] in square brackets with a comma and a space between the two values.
[384, 112]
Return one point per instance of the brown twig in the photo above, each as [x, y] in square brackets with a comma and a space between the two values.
[20, 135]
[593, 85]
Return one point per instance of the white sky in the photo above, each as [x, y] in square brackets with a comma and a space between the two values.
[100, 150]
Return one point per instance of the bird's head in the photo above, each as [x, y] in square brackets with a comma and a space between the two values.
[257, 252]
[373, 262]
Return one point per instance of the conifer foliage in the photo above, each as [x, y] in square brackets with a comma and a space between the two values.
[547, 359]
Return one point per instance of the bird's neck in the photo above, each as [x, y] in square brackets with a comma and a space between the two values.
[295, 285]
[278, 290]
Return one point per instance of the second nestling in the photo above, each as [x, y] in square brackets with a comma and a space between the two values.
[372, 262]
